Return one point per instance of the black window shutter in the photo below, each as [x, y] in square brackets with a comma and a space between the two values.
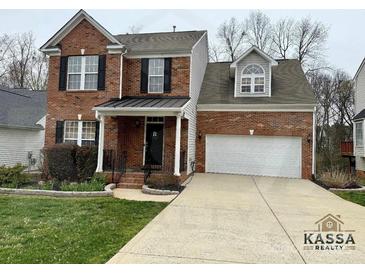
[59, 132]
[97, 124]
[144, 75]
[101, 72]
[63, 73]
[167, 76]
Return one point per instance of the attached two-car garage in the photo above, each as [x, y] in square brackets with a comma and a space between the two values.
[254, 155]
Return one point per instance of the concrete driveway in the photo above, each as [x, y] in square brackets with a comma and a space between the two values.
[244, 219]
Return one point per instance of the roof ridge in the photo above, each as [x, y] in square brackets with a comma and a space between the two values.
[159, 32]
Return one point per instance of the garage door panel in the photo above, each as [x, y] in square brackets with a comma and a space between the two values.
[254, 155]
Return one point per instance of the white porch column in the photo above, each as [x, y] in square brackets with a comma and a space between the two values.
[99, 167]
[177, 145]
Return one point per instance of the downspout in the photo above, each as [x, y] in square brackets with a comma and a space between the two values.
[314, 143]
[121, 74]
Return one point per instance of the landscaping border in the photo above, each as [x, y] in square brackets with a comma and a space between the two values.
[361, 189]
[148, 190]
[108, 191]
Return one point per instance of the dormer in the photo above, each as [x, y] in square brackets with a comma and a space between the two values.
[252, 73]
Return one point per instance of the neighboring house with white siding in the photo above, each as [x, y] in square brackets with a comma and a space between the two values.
[359, 110]
[22, 124]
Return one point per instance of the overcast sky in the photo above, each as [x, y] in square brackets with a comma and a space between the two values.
[345, 47]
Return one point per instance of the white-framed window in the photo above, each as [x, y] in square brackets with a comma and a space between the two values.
[359, 134]
[82, 72]
[79, 132]
[155, 75]
[253, 79]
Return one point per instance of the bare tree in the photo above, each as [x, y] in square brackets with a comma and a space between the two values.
[21, 54]
[38, 73]
[215, 53]
[282, 37]
[259, 30]
[309, 39]
[231, 34]
[5, 45]
[343, 105]
[135, 28]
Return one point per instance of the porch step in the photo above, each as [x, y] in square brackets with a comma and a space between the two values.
[131, 180]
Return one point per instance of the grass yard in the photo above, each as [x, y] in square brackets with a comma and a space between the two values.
[355, 197]
[69, 230]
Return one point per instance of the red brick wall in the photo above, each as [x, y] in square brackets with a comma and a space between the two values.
[63, 105]
[180, 77]
[131, 139]
[264, 123]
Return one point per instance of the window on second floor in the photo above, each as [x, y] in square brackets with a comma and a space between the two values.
[156, 75]
[359, 134]
[253, 79]
[82, 72]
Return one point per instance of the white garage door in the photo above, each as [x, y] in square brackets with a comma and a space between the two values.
[254, 155]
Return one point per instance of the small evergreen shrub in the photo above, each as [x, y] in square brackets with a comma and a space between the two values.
[61, 162]
[13, 176]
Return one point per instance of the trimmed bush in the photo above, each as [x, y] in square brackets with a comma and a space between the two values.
[13, 176]
[61, 162]
[66, 162]
[86, 161]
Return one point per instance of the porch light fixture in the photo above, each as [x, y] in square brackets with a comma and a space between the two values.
[79, 116]
[251, 131]
[199, 135]
[138, 123]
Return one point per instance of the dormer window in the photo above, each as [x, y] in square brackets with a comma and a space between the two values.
[253, 79]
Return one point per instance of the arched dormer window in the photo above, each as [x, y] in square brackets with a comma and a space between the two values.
[253, 79]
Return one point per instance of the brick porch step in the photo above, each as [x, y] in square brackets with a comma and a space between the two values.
[133, 180]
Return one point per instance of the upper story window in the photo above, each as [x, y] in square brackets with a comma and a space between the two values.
[359, 134]
[253, 79]
[82, 72]
[156, 75]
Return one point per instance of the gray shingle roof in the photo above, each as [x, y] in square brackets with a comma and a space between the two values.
[22, 108]
[162, 42]
[289, 86]
[146, 102]
[360, 115]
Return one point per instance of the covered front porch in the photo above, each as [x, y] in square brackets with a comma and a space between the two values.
[142, 136]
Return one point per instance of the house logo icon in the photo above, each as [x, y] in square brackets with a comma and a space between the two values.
[329, 223]
[329, 235]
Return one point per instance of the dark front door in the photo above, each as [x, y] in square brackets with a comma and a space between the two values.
[154, 144]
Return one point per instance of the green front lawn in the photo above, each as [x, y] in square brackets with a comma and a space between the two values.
[355, 197]
[69, 230]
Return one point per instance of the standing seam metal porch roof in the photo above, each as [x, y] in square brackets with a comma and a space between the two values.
[145, 102]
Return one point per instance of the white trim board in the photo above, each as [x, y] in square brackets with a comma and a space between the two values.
[255, 107]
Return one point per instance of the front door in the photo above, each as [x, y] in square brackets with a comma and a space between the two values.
[154, 144]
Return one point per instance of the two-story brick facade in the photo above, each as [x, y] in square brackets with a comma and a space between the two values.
[134, 95]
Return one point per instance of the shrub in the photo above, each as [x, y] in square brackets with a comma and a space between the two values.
[61, 162]
[13, 176]
[169, 182]
[338, 179]
[65, 162]
[97, 183]
[86, 160]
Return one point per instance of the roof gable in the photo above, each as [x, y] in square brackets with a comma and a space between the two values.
[359, 69]
[258, 51]
[71, 24]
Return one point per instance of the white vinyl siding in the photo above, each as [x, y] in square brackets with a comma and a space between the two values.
[251, 59]
[359, 134]
[155, 75]
[15, 144]
[82, 72]
[359, 106]
[254, 155]
[198, 64]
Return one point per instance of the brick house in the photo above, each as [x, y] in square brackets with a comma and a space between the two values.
[152, 100]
